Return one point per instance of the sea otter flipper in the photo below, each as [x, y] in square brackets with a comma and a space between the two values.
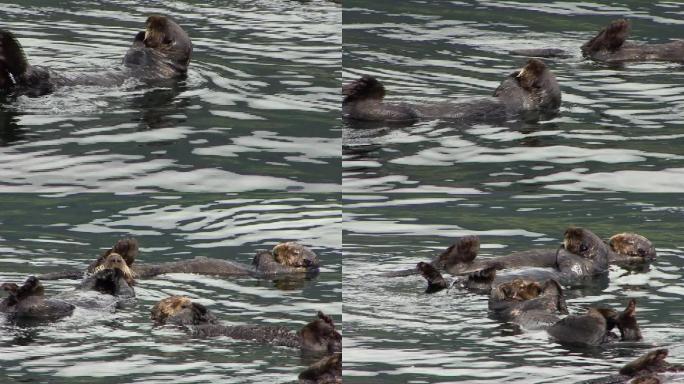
[434, 279]
[609, 38]
[463, 251]
[627, 323]
[12, 57]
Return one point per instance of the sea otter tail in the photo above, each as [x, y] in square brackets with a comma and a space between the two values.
[609, 38]
[12, 59]
[365, 87]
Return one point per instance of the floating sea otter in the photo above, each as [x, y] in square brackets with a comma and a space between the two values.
[285, 259]
[317, 336]
[531, 89]
[650, 368]
[609, 46]
[162, 51]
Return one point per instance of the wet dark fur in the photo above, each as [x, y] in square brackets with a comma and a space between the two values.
[327, 370]
[535, 90]
[610, 46]
[28, 301]
[161, 52]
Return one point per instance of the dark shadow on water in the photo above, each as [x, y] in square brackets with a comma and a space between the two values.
[159, 107]
[10, 132]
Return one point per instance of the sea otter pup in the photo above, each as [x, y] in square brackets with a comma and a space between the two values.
[609, 46]
[531, 89]
[162, 51]
[651, 368]
[594, 327]
[317, 336]
[28, 301]
[285, 259]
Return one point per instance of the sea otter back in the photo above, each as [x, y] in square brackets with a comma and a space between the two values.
[584, 330]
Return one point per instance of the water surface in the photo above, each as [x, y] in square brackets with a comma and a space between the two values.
[256, 112]
[39, 235]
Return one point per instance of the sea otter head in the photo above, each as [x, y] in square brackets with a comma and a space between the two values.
[460, 253]
[632, 245]
[320, 335]
[584, 243]
[116, 261]
[521, 290]
[295, 255]
[610, 38]
[180, 310]
[653, 361]
[365, 88]
[165, 37]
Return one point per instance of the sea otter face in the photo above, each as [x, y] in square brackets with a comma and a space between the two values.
[164, 35]
[584, 243]
[521, 290]
[633, 245]
[531, 73]
[295, 255]
[320, 335]
[653, 361]
[116, 261]
[180, 310]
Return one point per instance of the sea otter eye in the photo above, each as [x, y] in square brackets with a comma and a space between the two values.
[167, 41]
[583, 248]
[641, 252]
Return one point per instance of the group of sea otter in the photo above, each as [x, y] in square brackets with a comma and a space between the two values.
[161, 52]
[113, 276]
[526, 288]
[530, 93]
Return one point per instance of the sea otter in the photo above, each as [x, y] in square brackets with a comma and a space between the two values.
[594, 327]
[289, 259]
[317, 336]
[609, 46]
[531, 89]
[162, 51]
[28, 301]
[651, 368]
[621, 249]
[113, 277]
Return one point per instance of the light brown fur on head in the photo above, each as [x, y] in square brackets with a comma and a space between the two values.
[169, 307]
[521, 290]
[632, 244]
[116, 261]
[288, 254]
[155, 31]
